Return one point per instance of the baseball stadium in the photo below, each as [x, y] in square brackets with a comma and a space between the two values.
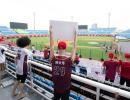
[44, 64]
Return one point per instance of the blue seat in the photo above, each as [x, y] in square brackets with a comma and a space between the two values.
[76, 97]
[83, 70]
[49, 83]
[73, 95]
[6, 31]
[73, 68]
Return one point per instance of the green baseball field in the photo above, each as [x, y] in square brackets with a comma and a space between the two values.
[87, 46]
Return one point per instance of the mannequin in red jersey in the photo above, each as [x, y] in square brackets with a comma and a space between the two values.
[125, 71]
[46, 53]
[76, 61]
[110, 66]
[1, 39]
[61, 69]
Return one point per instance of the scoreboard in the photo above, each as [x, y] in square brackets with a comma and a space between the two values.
[17, 25]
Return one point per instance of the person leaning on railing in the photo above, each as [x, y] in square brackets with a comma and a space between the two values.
[2, 61]
[125, 71]
[22, 56]
[110, 67]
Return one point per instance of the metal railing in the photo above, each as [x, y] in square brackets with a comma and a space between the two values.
[86, 88]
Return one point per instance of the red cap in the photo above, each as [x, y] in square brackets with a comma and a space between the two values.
[115, 57]
[62, 45]
[127, 55]
[1, 39]
[111, 55]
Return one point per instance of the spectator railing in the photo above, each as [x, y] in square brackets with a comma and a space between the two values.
[39, 80]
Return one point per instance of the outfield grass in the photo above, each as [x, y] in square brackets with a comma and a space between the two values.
[84, 48]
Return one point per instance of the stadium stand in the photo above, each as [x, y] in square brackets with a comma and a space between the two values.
[92, 31]
[38, 31]
[83, 32]
[21, 31]
[6, 31]
[106, 31]
[125, 33]
[97, 31]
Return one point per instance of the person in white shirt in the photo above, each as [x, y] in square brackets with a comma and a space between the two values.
[33, 49]
[2, 61]
[21, 65]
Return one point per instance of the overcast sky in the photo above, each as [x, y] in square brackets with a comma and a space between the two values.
[83, 11]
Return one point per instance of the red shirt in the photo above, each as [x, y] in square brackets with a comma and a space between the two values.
[46, 53]
[111, 67]
[1, 39]
[61, 73]
[125, 70]
[77, 58]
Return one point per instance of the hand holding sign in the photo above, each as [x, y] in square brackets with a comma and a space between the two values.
[75, 38]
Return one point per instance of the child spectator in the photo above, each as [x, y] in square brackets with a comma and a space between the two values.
[33, 49]
[125, 71]
[2, 39]
[61, 69]
[2, 61]
[46, 53]
[76, 61]
[21, 65]
[106, 49]
[110, 66]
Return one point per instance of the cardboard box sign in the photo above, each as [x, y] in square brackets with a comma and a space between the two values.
[124, 47]
[63, 30]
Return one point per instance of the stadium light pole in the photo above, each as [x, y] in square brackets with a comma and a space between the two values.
[109, 19]
[34, 15]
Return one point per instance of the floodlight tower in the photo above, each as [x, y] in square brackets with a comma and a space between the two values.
[109, 19]
[34, 16]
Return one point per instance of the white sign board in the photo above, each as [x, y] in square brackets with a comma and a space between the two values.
[63, 30]
[124, 47]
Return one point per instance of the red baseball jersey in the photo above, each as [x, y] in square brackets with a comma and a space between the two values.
[46, 53]
[61, 73]
[125, 70]
[77, 58]
[111, 67]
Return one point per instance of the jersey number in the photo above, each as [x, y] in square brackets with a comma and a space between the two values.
[59, 71]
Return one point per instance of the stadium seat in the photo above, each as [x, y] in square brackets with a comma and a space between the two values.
[83, 70]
